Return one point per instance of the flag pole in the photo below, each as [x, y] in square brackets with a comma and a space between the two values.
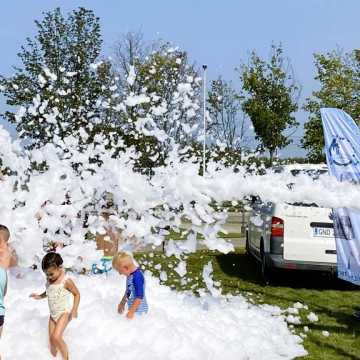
[204, 115]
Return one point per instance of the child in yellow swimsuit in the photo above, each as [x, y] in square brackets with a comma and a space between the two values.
[63, 298]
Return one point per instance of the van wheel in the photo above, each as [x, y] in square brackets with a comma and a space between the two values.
[266, 271]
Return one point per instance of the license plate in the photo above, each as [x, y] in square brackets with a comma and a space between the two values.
[323, 232]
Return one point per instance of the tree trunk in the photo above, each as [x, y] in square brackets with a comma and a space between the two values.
[271, 152]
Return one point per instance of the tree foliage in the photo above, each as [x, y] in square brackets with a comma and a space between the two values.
[270, 98]
[339, 77]
[227, 120]
[60, 88]
[161, 94]
[165, 74]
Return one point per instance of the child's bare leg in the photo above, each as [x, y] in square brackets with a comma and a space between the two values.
[57, 338]
[52, 325]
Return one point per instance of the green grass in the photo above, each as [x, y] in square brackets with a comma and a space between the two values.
[331, 299]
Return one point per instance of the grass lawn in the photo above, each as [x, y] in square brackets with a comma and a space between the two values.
[332, 300]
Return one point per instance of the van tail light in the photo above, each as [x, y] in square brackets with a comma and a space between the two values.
[277, 226]
[277, 236]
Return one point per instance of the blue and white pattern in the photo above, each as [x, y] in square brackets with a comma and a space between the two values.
[135, 288]
[342, 146]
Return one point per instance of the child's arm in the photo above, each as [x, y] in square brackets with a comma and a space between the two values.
[38, 296]
[133, 308]
[5, 257]
[69, 285]
[122, 304]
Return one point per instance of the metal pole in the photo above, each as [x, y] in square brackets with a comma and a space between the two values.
[204, 114]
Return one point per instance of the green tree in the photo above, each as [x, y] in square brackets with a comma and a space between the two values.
[174, 88]
[161, 97]
[339, 77]
[60, 88]
[270, 95]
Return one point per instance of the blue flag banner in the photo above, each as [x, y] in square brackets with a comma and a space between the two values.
[342, 147]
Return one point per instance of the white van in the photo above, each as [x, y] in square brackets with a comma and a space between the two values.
[292, 236]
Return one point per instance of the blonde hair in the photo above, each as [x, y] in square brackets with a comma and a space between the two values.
[122, 258]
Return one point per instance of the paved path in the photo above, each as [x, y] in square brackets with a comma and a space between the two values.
[235, 225]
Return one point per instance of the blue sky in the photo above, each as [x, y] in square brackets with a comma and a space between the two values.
[218, 33]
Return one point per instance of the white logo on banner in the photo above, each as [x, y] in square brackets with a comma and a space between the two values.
[342, 144]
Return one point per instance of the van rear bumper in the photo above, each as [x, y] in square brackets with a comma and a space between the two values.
[277, 261]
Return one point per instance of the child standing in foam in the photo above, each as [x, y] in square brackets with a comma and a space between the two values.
[5, 260]
[3, 289]
[63, 298]
[134, 295]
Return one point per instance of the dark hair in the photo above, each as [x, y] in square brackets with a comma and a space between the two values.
[51, 259]
[5, 230]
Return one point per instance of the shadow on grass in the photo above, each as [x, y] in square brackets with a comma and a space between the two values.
[328, 296]
[248, 269]
[333, 300]
[342, 353]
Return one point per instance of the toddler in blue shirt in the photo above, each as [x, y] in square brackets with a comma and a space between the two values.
[134, 295]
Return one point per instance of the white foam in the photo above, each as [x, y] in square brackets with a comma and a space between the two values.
[178, 326]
